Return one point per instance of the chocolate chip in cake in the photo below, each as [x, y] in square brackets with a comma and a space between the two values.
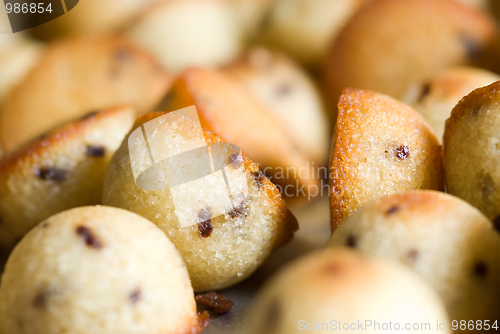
[471, 46]
[135, 296]
[351, 241]
[426, 89]
[413, 255]
[89, 237]
[258, 177]
[487, 184]
[215, 302]
[284, 89]
[240, 209]
[480, 269]
[475, 111]
[402, 152]
[41, 299]
[392, 209]
[235, 160]
[123, 55]
[95, 151]
[90, 114]
[205, 222]
[50, 173]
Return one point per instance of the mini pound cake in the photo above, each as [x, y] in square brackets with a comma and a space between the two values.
[186, 33]
[391, 46]
[75, 76]
[471, 149]
[219, 251]
[228, 108]
[451, 244]
[327, 291]
[305, 28]
[289, 93]
[63, 169]
[441, 92]
[380, 146]
[97, 270]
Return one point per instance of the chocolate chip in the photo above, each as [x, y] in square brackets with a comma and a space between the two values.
[215, 302]
[402, 152]
[205, 228]
[95, 150]
[235, 160]
[258, 177]
[135, 296]
[240, 209]
[475, 111]
[426, 89]
[89, 237]
[283, 90]
[351, 241]
[480, 269]
[471, 47]
[413, 254]
[41, 300]
[205, 222]
[488, 185]
[53, 174]
[45, 225]
[236, 211]
[123, 55]
[392, 209]
[90, 114]
[496, 223]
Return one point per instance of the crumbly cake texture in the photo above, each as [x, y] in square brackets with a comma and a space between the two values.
[343, 285]
[440, 93]
[380, 146]
[97, 270]
[471, 149]
[77, 76]
[224, 251]
[391, 46]
[448, 242]
[63, 169]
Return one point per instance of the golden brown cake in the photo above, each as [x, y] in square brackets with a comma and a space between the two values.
[77, 76]
[306, 28]
[97, 270]
[324, 291]
[219, 251]
[380, 146]
[391, 46]
[290, 94]
[471, 144]
[441, 92]
[63, 169]
[227, 108]
[449, 243]
[186, 33]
